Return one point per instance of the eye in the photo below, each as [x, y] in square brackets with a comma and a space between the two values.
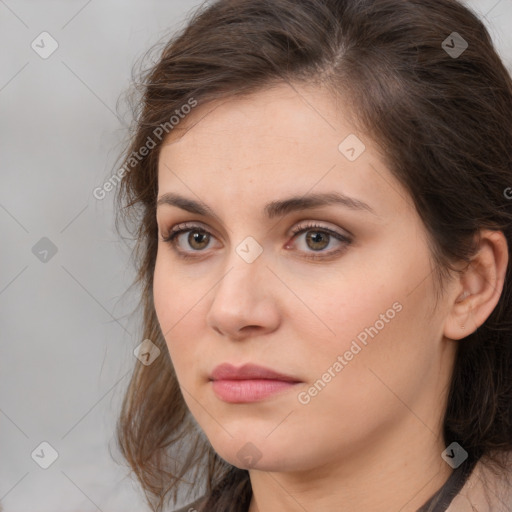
[198, 238]
[317, 239]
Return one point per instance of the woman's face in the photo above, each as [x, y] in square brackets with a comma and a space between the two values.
[352, 328]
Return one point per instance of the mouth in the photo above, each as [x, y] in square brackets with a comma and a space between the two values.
[248, 383]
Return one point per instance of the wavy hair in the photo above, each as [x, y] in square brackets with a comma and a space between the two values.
[444, 125]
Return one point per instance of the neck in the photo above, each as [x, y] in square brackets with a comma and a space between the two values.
[396, 476]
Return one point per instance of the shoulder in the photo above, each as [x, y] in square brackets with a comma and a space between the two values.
[193, 507]
[486, 489]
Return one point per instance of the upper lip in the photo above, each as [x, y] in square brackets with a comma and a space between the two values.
[226, 371]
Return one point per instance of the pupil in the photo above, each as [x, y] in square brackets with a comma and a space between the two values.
[317, 238]
[197, 235]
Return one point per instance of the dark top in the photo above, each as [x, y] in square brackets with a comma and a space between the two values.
[441, 499]
[438, 502]
[193, 507]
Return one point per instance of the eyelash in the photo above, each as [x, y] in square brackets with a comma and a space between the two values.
[184, 228]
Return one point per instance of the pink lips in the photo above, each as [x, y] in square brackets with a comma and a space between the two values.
[249, 383]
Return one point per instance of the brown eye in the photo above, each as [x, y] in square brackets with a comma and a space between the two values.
[318, 238]
[198, 237]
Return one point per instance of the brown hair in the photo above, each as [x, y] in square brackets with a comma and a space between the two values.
[444, 126]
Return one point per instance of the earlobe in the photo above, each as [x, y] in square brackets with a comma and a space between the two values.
[478, 290]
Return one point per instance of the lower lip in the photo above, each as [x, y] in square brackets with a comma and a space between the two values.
[250, 390]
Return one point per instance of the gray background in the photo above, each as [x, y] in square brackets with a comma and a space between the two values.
[67, 333]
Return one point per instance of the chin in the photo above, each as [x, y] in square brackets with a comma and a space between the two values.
[247, 451]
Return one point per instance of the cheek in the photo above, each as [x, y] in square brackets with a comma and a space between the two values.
[173, 297]
[385, 350]
[172, 310]
[370, 323]
[353, 305]
[161, 295]
[359, 383]
[180, 306]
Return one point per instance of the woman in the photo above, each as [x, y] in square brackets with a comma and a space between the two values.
[322, 199]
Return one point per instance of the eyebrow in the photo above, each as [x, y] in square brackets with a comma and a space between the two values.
[274, 208]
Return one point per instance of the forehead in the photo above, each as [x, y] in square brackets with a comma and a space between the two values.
[280, 141]
[278, 117]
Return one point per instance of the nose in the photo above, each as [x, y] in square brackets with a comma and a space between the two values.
[245, 300]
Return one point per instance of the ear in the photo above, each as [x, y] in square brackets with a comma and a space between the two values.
[477, 291]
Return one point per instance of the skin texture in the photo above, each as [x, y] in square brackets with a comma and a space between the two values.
[371, 438]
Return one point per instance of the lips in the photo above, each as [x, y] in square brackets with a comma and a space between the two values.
[249, 383]
[227, 371]
[247, 391]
